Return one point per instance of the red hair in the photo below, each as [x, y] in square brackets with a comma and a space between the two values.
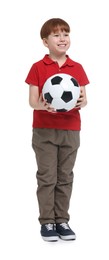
[53, 25]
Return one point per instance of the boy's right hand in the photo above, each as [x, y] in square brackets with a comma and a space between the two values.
[37, 101]
[44, 105]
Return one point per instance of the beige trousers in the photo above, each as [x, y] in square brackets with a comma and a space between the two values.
[55, 152]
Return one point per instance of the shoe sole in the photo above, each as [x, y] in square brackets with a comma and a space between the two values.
[50, 239]
[69, 237]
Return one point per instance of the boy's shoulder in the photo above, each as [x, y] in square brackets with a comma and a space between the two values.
[35, 63]
[44, 60]
[74, 63]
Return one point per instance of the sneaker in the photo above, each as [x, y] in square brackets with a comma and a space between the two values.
[48, 232]
[65, 232]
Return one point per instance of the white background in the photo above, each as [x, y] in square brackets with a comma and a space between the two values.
[20, 47]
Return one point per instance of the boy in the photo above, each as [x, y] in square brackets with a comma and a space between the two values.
[55, 137]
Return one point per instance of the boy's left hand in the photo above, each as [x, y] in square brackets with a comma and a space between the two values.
[82, 101]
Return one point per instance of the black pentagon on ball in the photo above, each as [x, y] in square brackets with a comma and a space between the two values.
[67, 96]
[61, 110]
[56, 80]
[48, 97]
[74, 82]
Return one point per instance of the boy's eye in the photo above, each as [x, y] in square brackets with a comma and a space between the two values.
[57, 35]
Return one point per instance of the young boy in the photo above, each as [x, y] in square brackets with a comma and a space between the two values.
[55, 137]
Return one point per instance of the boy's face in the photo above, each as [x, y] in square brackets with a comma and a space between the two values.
[58, 42]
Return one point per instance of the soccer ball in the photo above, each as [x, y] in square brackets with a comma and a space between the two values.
[61, 91]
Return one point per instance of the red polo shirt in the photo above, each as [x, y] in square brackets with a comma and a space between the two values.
[38, 74]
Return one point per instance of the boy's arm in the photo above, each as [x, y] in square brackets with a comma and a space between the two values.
[36, 101]
[82, 101]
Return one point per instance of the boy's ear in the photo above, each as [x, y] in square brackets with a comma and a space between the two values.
[45, 42]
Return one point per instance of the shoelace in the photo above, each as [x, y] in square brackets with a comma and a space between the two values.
[49, 227]
[64, 225]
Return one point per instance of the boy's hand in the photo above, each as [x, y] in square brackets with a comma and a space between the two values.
[37, 102]
[44, 105]
[82, 101]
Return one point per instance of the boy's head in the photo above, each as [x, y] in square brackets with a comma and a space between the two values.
[53, 25]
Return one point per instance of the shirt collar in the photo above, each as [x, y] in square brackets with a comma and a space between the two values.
[68, 62]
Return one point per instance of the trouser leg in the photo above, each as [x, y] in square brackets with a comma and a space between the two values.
[66, 160]
[46, 156]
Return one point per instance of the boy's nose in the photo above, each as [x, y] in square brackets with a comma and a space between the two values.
[62, 38]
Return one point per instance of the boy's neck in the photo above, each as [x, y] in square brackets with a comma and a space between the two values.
[59, 59]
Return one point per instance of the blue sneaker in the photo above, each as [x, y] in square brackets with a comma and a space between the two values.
[65, 232]
[48, 232]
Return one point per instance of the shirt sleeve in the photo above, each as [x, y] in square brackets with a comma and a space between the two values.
[32, 77]
[83, 77]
